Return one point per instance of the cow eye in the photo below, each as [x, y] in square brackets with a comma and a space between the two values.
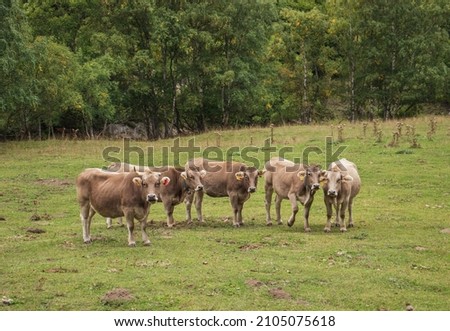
[144, 184]
[157, 184]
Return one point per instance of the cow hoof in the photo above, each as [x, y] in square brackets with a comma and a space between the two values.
[280, 222]
[327, 230]
[350, 225]
[269, 223]
[88, 241]
[343, 230]
[170, 225]
[147, 243]
[236, 225]
[307, 229]
[132, 244]
[290, 224]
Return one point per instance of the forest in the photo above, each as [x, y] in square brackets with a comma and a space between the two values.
[186, 66]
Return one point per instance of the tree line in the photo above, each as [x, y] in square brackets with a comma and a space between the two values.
[181, 66]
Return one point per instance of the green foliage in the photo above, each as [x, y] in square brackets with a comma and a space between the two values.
[188, 66]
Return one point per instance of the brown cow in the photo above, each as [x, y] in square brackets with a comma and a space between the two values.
[223, 179]
[342, 183]
[182, 183]
[296, 182]
[115, 195]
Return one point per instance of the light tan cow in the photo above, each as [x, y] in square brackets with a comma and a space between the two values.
[342, 183]
[295, 182]
[223, 179]
[182, 184]
[115, 195]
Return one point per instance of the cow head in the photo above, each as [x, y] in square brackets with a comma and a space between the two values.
[148, 182]
[311, 176]
[192, 177]
[333, 180]
[248, 176]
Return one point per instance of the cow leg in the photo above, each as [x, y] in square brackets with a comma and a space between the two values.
[350, 214]
[240, 207]
[168, 206]
[342, 216]
[188, 202]
[329, 207]
[109, 222]
[86, 214]
[235, 207]
[306, 214]
[130, 227]
[278, 200]
[198, 205]
[268, 202]
[337, 206]
[294, 205]
[145, 238]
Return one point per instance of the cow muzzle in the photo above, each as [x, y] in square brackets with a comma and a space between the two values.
[199, 188]
[332, 193]
[315, 187]
[251, 189]
[152, 198]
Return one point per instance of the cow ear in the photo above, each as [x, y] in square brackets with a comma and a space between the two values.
[347, 178]
[183, 175]
[203, 173]
[165, 181]
[137, 181]
[239, 175]
[301, 174]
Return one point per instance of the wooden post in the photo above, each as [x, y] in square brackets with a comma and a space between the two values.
[271, 134]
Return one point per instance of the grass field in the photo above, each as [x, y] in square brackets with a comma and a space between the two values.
[398, 253]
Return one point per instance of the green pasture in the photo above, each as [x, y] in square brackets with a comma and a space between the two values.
[397, 254]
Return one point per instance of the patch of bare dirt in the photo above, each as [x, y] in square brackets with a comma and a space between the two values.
[36, 217]
[117, 296]
[447, 231]
[302, 302]
[250, 247]
[279, 293]
[254, 283]
[35, 230]
[60, 270]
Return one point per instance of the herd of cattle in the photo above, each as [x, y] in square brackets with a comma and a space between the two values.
[125, 190]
